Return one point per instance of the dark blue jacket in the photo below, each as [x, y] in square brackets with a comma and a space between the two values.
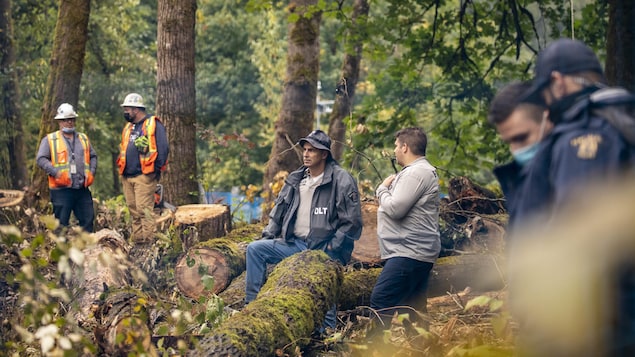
[582, 149]
[511, 177]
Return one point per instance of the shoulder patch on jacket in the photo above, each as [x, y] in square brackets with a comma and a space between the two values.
[587, 145]
[354, 196]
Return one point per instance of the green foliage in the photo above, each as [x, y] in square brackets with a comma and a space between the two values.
[43, 321]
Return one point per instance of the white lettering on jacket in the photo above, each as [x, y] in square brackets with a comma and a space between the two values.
[320, 210]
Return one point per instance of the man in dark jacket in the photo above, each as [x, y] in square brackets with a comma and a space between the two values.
[317, 208]
[583, 150]
[522, 126]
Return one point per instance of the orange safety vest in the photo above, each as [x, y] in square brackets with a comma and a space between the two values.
[147, 160]
[60, 157]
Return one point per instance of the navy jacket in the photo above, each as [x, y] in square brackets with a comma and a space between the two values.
[582, 149]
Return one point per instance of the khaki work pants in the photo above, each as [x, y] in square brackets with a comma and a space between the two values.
[139, 194]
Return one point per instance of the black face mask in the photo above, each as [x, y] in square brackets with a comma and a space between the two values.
[128, 118]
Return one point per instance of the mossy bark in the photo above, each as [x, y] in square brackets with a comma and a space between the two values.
[289, 307]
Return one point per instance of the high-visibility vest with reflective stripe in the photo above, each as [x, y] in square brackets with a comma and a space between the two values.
[147, 160]
[60, 156]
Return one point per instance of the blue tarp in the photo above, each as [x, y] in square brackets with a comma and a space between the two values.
[241, 209]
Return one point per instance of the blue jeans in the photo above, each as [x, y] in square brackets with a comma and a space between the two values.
[402, 282]
[273, 251]
[77, 201]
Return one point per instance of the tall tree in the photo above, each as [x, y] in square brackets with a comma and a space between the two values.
[13, 141]
[62, 86]
[176, 95]
[300, 88]
[343, 105]
[620, 44]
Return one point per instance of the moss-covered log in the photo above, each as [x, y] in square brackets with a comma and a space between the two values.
[291, 304]
[220, 258]
[199, 223]
[481, 272]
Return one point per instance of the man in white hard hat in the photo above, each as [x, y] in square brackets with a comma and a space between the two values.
[143, 155]
[70, 162]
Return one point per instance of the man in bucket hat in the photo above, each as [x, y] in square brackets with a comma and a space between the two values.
[317, 208]
[582, 150]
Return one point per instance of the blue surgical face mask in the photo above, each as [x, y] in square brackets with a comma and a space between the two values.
[68, 130]
[524, 155]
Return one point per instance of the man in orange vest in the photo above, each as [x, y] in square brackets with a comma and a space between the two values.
[143, 154]
[70, 162]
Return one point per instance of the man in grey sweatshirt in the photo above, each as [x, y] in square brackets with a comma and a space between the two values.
[407, 227]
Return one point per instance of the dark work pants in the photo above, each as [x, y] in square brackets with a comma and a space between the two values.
[78, 201]
[402, 282]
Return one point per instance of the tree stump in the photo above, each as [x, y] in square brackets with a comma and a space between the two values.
[199, 223]
[291, 304]
[222, 259]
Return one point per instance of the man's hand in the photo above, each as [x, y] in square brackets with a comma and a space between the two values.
[388, 180]
[142, 144]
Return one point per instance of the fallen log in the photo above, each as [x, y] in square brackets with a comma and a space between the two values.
[479, 272]
[103, 268]
[289, 307]
[201, 222]
[219, 258]
[123, 324]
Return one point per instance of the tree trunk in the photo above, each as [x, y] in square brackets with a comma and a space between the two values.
[620, 44]
[62, 86]
[343, 106]
[15, 175]
[176, 96]
[300, 91]
[221, 259]
[200, 223]
[289, 307]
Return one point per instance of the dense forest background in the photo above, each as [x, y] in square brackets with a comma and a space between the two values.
[435, 64]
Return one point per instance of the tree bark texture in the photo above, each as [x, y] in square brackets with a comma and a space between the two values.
[123, 324]
[13, 175]
[300, 91]
[62, 86]
[200, 223]
[343, 106]
[100, 272]
[620, 44]
[220, 258]
[176, 96]
[291, 304]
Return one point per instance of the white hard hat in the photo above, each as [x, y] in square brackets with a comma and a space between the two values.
[133, 100]
[65, 111]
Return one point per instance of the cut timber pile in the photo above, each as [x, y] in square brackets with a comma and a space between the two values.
[199, 223]
[289, 307]
[220, 258]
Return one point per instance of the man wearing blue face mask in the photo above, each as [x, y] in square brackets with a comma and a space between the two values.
[583, 149]
[70, 162]
[522, 126]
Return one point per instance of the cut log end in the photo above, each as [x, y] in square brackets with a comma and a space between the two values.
[197, 263]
